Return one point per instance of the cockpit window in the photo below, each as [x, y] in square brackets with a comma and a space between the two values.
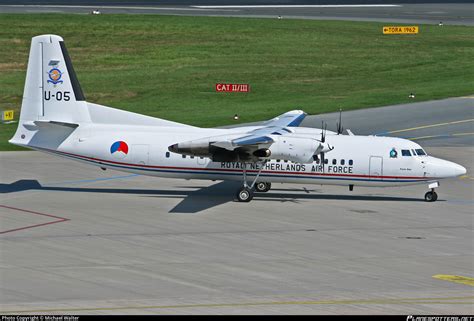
[420, 152]
[406, 152]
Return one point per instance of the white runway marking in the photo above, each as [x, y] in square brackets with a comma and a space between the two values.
[112, 7]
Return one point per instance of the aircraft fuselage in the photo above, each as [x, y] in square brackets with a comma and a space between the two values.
[355, 160]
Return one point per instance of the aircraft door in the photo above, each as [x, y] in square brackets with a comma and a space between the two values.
[140, 154]
[375, 166]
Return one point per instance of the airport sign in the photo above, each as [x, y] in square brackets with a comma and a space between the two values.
[7, 115]
[400, 30]
[242, 88]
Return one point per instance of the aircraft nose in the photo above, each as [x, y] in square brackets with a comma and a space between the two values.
[444, 169]
[458, 170]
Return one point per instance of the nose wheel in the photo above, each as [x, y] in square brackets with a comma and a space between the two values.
[431, 196]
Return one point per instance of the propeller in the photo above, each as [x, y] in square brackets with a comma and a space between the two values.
[324, 147]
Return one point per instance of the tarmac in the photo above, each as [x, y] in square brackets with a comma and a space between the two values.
[419, 13]
[445, 122]
[78, 240]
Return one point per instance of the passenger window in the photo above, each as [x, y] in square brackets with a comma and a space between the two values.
[420, 152]
[343, 162]
[184, 156]
[286, 161]
[351, 162]
[334, 161]
[406, 152]
[316, 159]
[167, 154]
[326, 161]
[192, 157]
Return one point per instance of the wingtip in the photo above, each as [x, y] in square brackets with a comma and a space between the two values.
[296, 112]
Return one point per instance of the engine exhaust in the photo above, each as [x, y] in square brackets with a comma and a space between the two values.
[264, 152]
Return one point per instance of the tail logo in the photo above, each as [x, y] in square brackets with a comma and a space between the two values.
[55, 76]
[119, 148]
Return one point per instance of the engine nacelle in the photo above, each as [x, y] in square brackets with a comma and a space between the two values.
[199, 147]
[295, 149]
[203, 148]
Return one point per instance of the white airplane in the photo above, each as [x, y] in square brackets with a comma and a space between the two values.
[55, 118]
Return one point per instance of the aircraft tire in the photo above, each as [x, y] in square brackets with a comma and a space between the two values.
[244, 194]
[431, 196]
[263, 187]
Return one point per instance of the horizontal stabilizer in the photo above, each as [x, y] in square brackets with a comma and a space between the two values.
[43, 123]
[37, 124]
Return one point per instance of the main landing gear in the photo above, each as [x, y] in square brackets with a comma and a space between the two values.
[245, 194]
[263, 187]
[431, 196]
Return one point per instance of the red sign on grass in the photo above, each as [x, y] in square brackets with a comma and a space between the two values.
[229, 88]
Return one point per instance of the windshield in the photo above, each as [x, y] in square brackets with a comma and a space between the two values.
[420, 152]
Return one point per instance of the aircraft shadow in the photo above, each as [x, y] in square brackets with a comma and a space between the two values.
[204, 197]
[193, 201]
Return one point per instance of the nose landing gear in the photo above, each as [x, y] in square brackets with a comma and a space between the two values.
[431, 196]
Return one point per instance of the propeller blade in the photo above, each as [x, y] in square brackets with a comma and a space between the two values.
[324, 127]
[322, 160]
[339, 124]
[322, 132]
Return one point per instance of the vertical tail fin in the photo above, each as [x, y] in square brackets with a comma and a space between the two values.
[52, 91]
[53, 82]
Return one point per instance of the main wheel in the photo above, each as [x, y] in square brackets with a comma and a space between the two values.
[431, 196]
[244, 194]
[263, 187]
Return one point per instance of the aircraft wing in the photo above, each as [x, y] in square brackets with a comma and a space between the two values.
[253, 144]
[262, 136]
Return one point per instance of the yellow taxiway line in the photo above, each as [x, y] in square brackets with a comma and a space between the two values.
[430, 126]
[435, 136]
[455, 278]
